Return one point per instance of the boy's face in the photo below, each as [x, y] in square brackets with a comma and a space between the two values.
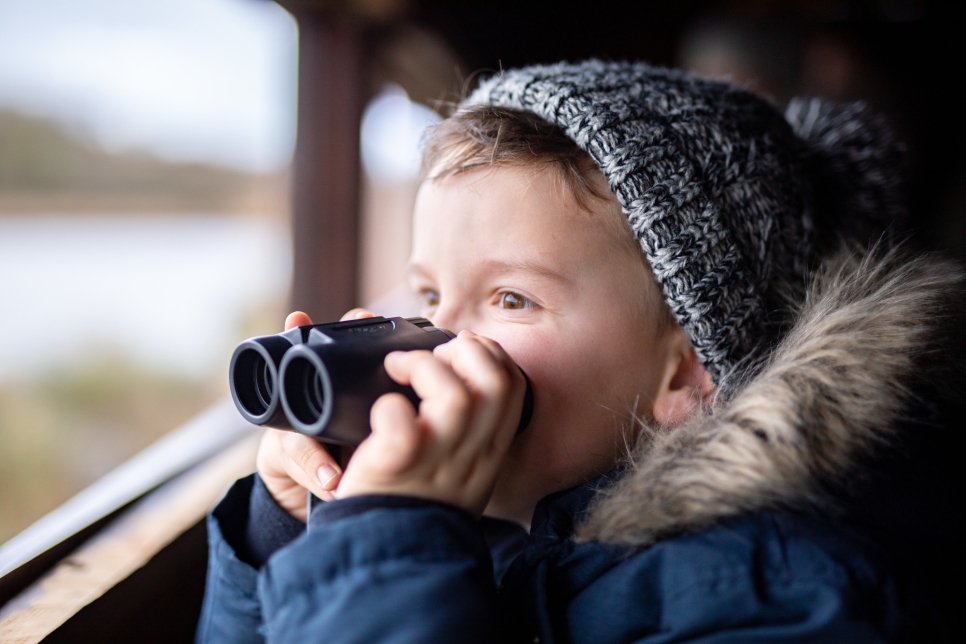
[507, 253]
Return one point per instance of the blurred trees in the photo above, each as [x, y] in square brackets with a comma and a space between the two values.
[46, 167]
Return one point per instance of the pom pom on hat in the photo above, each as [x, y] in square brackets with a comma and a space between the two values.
[855, 165]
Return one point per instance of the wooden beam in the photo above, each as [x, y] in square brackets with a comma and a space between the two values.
[34, 551]
[326, 175]
[123, 547]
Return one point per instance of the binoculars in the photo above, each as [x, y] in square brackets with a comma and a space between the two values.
[322, 380]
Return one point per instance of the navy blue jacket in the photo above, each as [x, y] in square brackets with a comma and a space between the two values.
[820, 427]
[392, 569]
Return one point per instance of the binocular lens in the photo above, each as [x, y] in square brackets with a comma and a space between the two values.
[254, 383]
[264, 383]
[303, 377]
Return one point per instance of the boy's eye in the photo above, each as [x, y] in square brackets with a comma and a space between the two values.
[514, 301]
[431, 298]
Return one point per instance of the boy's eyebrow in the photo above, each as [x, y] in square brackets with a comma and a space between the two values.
[522, 266]
[525, 266]
[412, 267]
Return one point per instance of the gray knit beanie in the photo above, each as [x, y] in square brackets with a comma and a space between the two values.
[721, 190]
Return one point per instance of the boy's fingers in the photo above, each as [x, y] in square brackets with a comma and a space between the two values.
[398, 365]
[396, 431]
[446, 351]
[309, 464]
[297, 318]
[466, 388]
[358, 314]
[519, 384]
[447, 402]
[271, 457]
[489, 377]
[496, 350]
[516, 374]
[493, 384]
[481, 367]
[391, 449]
[273, 465]
[466, 343]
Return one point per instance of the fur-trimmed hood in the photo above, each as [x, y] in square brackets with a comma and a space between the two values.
[870, 332]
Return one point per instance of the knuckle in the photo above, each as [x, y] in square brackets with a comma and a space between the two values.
[424, 363]
[411, 359]
[305, 451]
[387, 405]
[488, 373]
[304, 458]
[379, 406]
[492, 345]
[458, 401]
[495, 383]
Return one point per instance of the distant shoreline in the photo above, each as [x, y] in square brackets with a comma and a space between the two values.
[15, 204]
[47, 168]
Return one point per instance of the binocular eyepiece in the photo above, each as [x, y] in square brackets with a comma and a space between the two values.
[322, 380]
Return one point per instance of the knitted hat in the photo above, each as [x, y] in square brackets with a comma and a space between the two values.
[716, 184]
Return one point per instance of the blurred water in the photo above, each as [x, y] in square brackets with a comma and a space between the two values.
[168, 292]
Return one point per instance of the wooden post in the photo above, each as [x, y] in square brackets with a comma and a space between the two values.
[326, 174]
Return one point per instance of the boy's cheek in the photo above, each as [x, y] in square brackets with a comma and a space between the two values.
[531, 348]
[566, 366]
[556, 370]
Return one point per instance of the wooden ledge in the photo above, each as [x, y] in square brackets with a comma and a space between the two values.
[126, 545]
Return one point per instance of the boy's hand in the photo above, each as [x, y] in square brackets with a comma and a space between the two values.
[290, 463]
[452, 450]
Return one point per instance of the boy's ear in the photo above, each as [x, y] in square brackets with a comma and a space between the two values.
[686, 387]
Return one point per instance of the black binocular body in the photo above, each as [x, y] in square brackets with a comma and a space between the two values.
[322, 380]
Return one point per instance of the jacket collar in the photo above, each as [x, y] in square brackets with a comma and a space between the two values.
[557, 515]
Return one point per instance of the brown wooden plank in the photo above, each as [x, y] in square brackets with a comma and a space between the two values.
[123, 547]
[34, 551]
[158, 604]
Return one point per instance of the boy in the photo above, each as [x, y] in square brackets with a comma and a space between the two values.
[629, 238]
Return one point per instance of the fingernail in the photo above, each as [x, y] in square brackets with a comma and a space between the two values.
[465, 332]
[327, 475]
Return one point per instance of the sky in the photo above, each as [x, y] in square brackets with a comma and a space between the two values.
[186, 80]
[391, 133]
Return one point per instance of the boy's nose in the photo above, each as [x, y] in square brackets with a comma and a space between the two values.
[447, 318]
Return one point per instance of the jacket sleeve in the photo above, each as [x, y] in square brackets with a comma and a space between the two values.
[231, 611]
[382, 569]
[244, 530]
